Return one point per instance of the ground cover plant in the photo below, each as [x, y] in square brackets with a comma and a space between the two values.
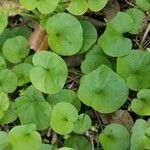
[74, 75]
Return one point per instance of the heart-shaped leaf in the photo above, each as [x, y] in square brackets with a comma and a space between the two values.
[117, 136]
[8, 81]
[23, 73]
[4, 103]
[114, 44]
[15, 53]
[32, 108]
[89, 35]
[141, 104]
[65, 34]
[63, 117]
[138, 19]
[78, 142]
[25, 138]
[50, 72]
[135, 68]
[140, 139]
[82, 124]
[64, 95]
[104, 94]
[3, 21]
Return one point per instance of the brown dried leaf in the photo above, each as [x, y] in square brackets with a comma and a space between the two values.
[39, 39]
[111, 9]
[122, 117]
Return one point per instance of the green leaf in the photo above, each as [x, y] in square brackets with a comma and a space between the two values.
[3, 64]
[65, 34]
[135, 68]
[78, 7]
[104, 94]
[121, 23]
[143, 4]
[93, 62]
[47, 6]
[15, 53]
[29, 4]
[4, 103]
[64, 95]
[97, 5]
[95, 50]
[139, 139]
[10, 114]
[8, 81]
[22, 72]
[65, 148]
[141, 104]
[114, 44]
[117, 136]
[4, 141]
[25, 138]
[32, 108]
[22, 31]
[138, 17]
[78, 142]
[50, 72]
[63, 117]
[3, 21]
[82, 124]
[89, 35]
[48, 147]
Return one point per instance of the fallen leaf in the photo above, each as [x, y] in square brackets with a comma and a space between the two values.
[39, 39]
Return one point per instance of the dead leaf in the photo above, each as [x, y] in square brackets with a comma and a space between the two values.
[39, 39]
[111, 9]
[121, 117]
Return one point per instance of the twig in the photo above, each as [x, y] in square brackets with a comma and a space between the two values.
[145, 34]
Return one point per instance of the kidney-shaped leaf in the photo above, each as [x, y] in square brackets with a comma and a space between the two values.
[135, 69]
[16, 52]
[10, 114]
[115, 137]
[8, 81]
[78, 142]
[93, 62]
[140, 139]
[96, 5]
[103, 90]
[4, 103]
[30, 5]
[143, 4]
[47, 6]
[63, 117]
[141, 104]
[82, 124]
[89, 36]
[25, 138]
[64, 95]
[65, 34]
[50, 72]
[32, 108]
[114, 44]
[22, 72]
[121, 23]
[4, 141]
[2, 63]
[78, 7]
[138, 19]
[3, 21]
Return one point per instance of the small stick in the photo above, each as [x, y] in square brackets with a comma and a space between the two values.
[145, 35]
